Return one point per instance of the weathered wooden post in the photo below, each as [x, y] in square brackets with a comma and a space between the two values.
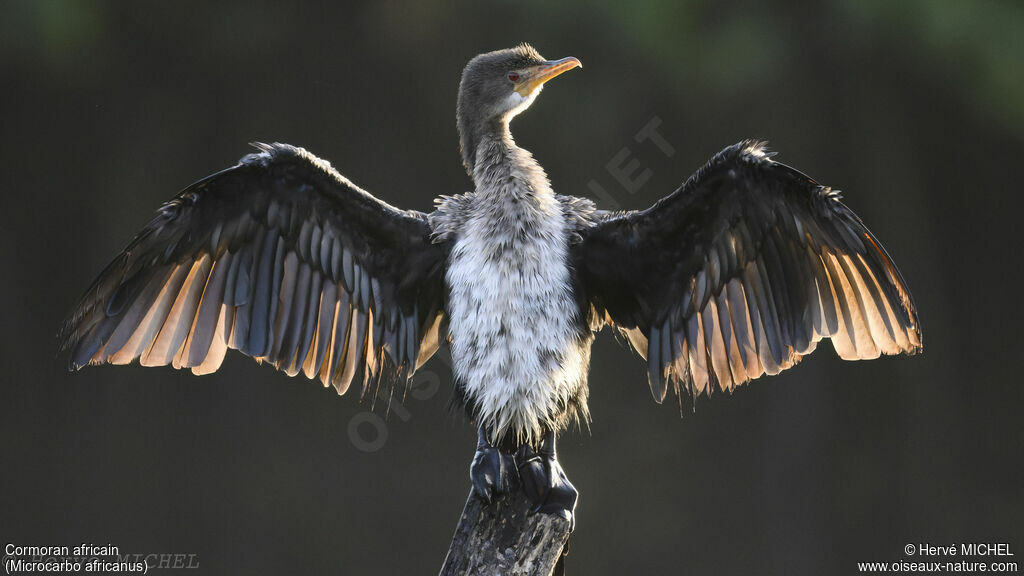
[504, 538]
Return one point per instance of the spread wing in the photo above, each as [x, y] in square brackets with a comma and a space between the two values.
[741, 272]
[279, 257]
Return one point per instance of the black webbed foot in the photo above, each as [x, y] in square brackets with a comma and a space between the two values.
[544, 481]
[490, 471]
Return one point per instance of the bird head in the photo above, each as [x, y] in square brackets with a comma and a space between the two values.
[498, 85]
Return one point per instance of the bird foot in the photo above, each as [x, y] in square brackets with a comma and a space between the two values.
[544, 481]
[492, 471]
[495, 473]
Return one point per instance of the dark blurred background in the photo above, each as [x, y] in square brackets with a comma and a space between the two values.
[915, 109]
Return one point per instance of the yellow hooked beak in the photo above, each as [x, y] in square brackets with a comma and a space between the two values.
[535, 76]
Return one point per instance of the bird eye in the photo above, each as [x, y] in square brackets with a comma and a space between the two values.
[513, 76]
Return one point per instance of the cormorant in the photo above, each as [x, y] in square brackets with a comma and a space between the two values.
[738, 273]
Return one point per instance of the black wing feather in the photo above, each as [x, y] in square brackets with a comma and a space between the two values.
[741, 272]
[279, 257]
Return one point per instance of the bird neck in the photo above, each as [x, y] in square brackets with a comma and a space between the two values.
[500, 167]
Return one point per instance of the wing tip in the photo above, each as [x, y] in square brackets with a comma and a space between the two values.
[754, 149]
[659, 386]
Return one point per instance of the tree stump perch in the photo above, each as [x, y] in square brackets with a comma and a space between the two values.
[503, 538]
